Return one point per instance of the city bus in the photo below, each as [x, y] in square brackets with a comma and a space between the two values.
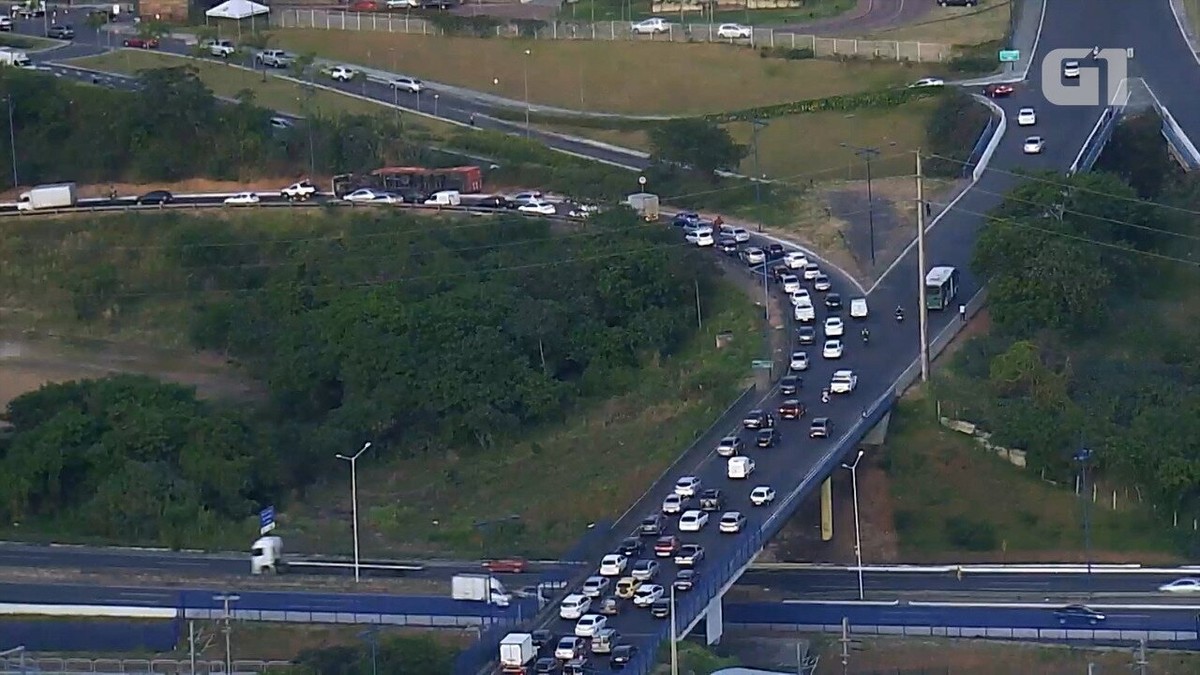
[941, 286]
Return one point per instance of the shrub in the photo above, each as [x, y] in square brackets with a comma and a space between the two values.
[953, 131]
[470, 26]
[845, 103]
[970, 535]
[787, 53]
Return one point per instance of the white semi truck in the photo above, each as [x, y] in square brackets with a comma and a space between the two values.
[479, 588]
[517, 653]
[56, 196]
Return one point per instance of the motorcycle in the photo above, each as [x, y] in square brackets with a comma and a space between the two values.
[899, 315]
[866, 337]
[825, 396]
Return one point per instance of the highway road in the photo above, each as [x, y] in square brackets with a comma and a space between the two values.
[447, 105]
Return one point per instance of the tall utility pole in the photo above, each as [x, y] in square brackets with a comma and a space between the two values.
[1139, 658]
[227, 598]
[353, 459]
[12, 140]
[756, 124]
[674, 636]
[525, 71]
[922, 314]
[868, 154]
[1084, 457]
[853, 468]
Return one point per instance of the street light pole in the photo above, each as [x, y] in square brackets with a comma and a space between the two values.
[353, 459]
[1084, 457]
[525, 71]
[857, 532]
[12, 139]
[225, 599]
[674, 636]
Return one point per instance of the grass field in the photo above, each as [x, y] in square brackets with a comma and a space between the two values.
[951, 499]
[26, 41]
[275, 93]
[957, 25]
[1192, 8]
[558, 480]
[623, 77]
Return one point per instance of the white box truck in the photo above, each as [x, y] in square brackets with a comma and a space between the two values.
[479, 588]
[14, 57]
[645, 203]
[517, 653]
[56, 196]
[266, 556]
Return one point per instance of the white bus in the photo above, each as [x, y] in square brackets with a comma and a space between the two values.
[941, 287]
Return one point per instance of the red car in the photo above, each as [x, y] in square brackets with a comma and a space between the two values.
[365, 6]
[505, 566]
[998, 90]
[141, 43]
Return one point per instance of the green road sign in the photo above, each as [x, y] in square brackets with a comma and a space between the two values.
[1009, 55]
[762, 364]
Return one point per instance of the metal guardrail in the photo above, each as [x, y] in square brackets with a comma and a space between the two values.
[52, 665]
[920, 52]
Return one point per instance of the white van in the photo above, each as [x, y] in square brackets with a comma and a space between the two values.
[574, 606]
[444, 198]
[740, 467]
[858, 308]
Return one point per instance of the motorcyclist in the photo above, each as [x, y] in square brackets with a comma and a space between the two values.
[899, 313]
[1095, 52]
[866, 335]
[824, 396]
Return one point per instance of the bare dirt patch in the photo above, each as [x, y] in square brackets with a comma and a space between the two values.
[27, 363]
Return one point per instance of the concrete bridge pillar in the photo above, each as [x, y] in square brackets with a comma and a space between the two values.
[827, 509]
[714, 621]
[878, 433]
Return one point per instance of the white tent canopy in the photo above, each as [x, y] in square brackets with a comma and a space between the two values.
[237, 10]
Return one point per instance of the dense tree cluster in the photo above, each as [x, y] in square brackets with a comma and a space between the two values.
[1088, 280]
[953, 129]
[172, 127]
[413, 331]
[130, 457]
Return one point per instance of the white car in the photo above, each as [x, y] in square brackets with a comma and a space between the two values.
[1026, 117]
[732, 522]
[858, 308]
[927, 82]
[729, 446]
[762, 495]
[693, 521]
[647, 595]
[795, 260]
[687, 486]
[822, 282]
[804, 313]
[843, 382]
[1033, 145]
[650, 27]
[740, 235]
[590, 624]
[594, 587]
[410, 84]
[613, 565]
[801, 297]
[1071, 69]
[832, 349]
[700, 237]
[1181, 586]
[242, 198]
[673, 504]
[644, 570]
[755, 256]
[537, 206]
[342, 73]
[402, 4]
[734, 31]
[363, 195]
[574, 606]
[799, 361]
[811, 270]
[834, 327]
[791, 283]
[569, 647]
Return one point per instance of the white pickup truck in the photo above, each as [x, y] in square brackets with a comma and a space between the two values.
[274, 58]
[299, 191]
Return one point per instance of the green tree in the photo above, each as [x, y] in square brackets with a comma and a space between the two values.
[696, 143]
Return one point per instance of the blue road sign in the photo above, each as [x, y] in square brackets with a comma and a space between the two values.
[266, 520]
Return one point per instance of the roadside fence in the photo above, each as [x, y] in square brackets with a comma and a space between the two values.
[772, 38]
[52, 665]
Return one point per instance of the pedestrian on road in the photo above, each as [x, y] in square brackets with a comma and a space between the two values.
[959, 573]
[472, 119]
[962, 313]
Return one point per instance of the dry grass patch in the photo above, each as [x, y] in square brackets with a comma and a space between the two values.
[228, 81]
[962, 26]
[623, 77]
[556, 480]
